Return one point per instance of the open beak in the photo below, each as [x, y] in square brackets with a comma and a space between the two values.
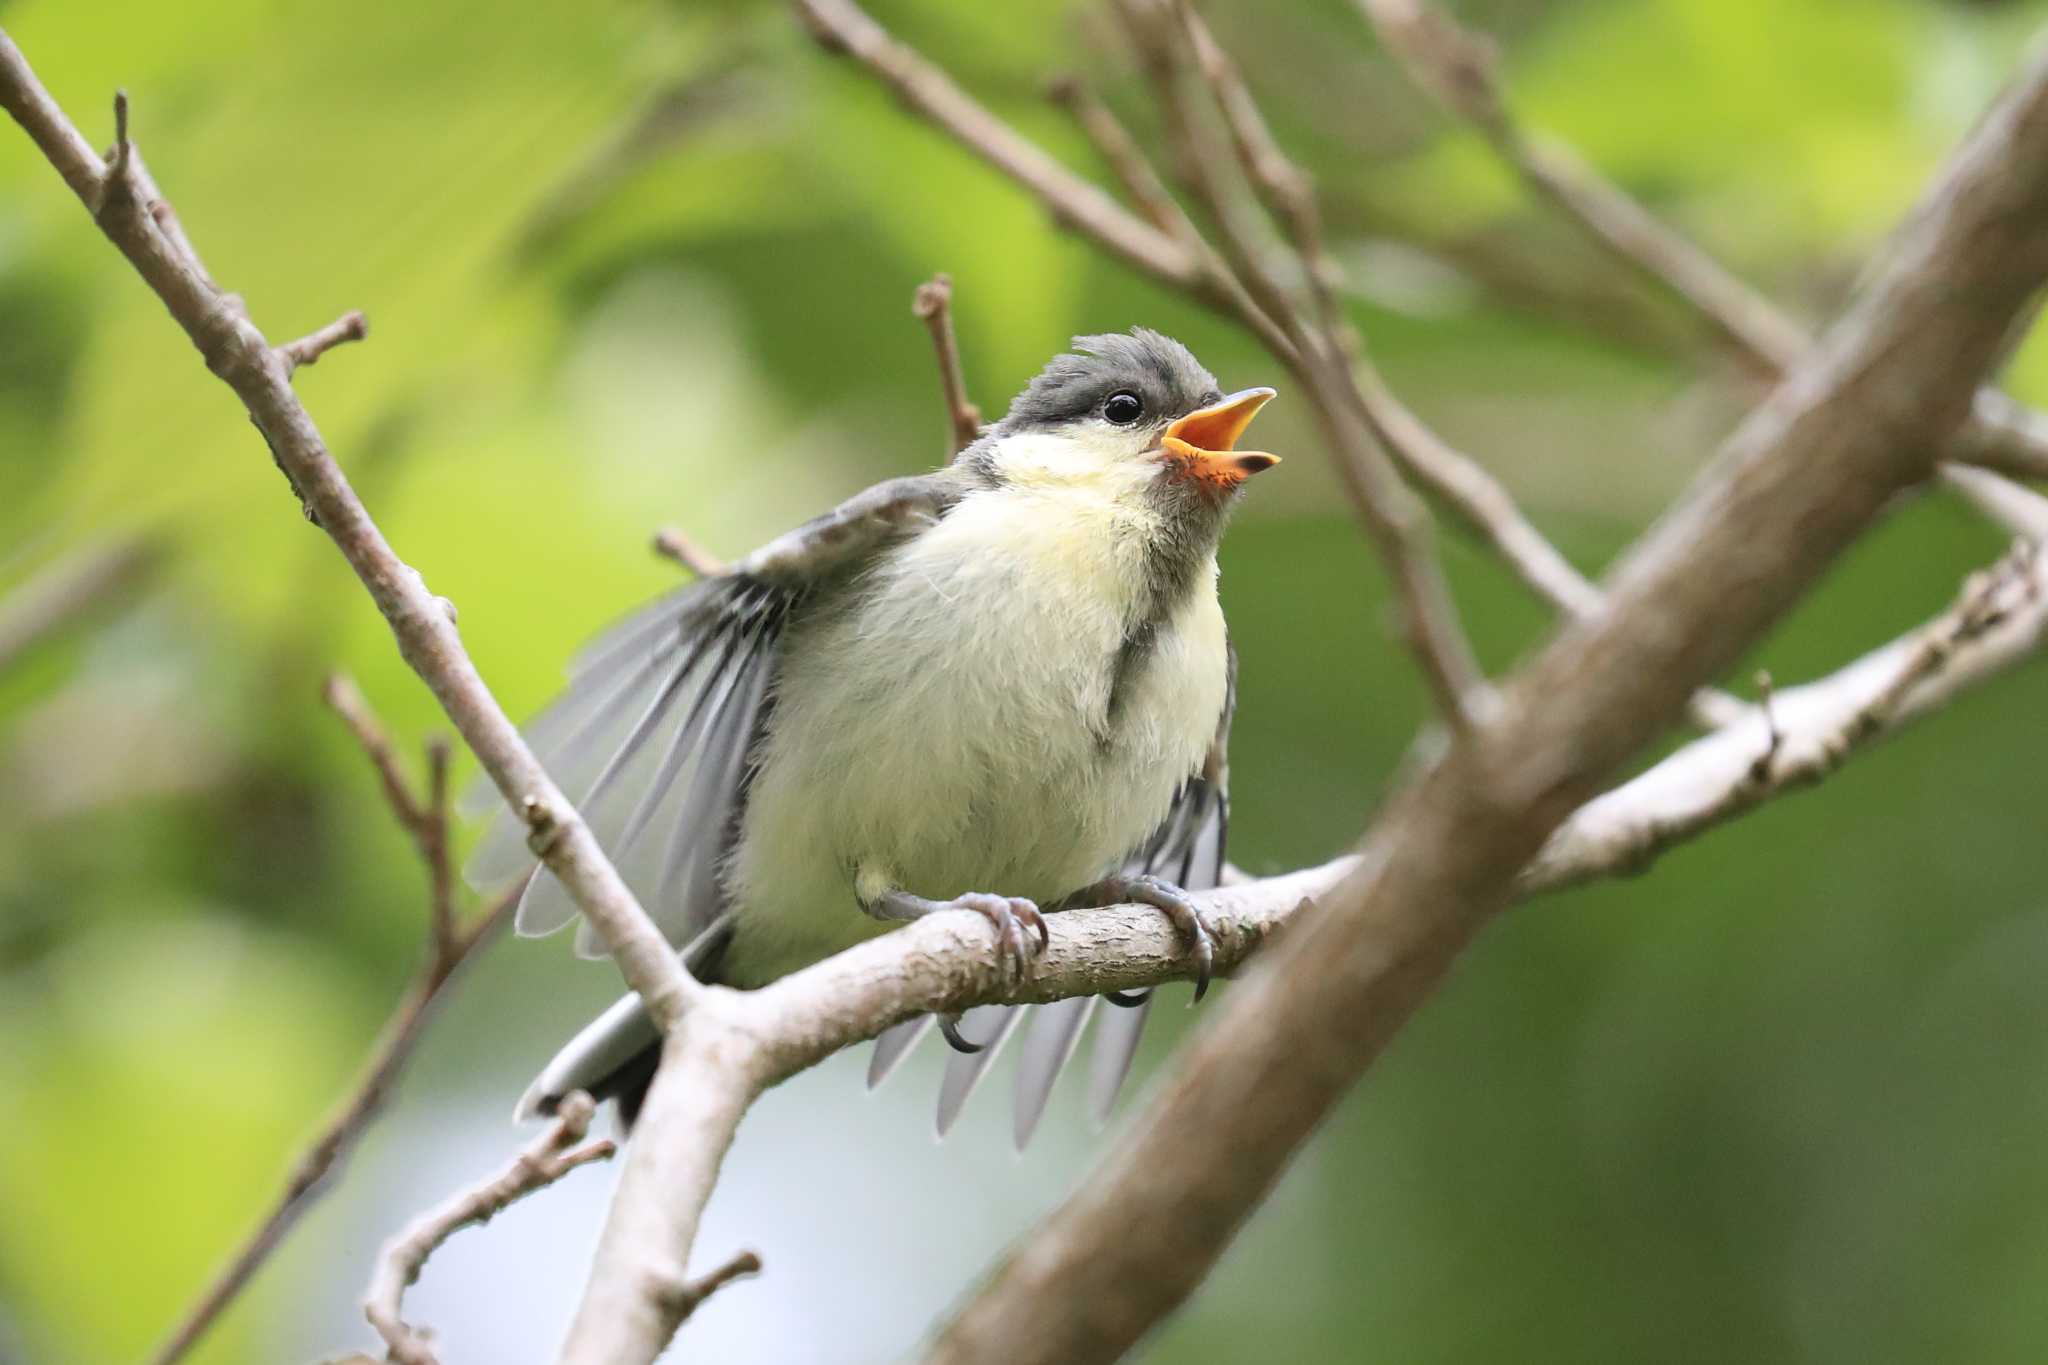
[1201, 444]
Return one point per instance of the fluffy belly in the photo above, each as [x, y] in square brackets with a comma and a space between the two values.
[921, 745]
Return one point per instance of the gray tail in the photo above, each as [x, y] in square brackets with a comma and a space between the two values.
[615, 1056]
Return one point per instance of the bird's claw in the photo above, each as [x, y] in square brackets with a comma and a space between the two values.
[1012, 917]
[1178, 907]
[949, 1025]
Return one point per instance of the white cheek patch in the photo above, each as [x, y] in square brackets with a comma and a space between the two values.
[1089, 454]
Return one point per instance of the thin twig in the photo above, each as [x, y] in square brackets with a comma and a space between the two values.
[71, 588]
[691, 1296]
[673, 545]
[1288, 192]
[449, 946]
[350, 326]
[1999, 618]
[347, 701]
[842, 27]
[2020, 510]
[550, 1157]
[1122, 154]
[932, 305]
[1398, 525]
[1460, 68]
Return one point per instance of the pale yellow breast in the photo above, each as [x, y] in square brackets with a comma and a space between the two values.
[945, 732]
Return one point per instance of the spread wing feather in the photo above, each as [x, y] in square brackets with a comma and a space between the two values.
[652, 739]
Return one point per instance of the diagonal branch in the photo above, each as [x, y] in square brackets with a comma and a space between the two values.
[2000, 618]
[127, 209]
[449, 946]
[1797, 482]
[941, 964]
[1460, 69]
[73, 587]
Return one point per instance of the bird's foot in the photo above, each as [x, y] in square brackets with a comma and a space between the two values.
[1016, 920]
[1177, 906]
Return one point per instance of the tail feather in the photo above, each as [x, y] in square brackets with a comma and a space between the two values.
[894, 1045]
[990, 1026]
[1116, 1047]
[1055, 1033]
[615, 1055]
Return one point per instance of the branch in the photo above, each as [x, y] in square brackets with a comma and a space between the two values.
[841, 27]
[1465, 486]
[71, 588]
[1799, 480]
[942, 964]
[932, 305]
[1460, 68]
[2021, 511]
[671, 544]
[127, 209]
[1124, 157]
[2000, 618]
[449, 946]
[1317, 349]
[350, 326]
[551, 1156]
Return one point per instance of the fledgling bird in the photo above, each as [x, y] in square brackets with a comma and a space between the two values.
[1004, 686]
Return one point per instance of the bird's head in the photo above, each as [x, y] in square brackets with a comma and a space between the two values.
[1133, 414]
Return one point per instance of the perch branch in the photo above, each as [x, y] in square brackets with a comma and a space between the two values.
[551, 1156]
[942, 964]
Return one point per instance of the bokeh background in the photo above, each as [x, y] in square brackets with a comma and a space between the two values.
[1782, 1098]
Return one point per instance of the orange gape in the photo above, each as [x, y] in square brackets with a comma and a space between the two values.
[1199, 445]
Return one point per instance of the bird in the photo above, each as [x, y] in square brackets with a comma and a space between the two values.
[1003, 686]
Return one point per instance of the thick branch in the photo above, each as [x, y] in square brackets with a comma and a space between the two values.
[942, 964]
[1795, 484]
[125, 208]
[1806, 734]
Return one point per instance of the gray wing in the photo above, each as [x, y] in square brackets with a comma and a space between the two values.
[1188, 850]
[653, 735]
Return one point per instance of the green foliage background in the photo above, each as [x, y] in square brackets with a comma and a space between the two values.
[1782, 1098]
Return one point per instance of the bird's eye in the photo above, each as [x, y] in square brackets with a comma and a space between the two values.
[1123, 408]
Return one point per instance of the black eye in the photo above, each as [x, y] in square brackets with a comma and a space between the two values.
[1123, 408]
